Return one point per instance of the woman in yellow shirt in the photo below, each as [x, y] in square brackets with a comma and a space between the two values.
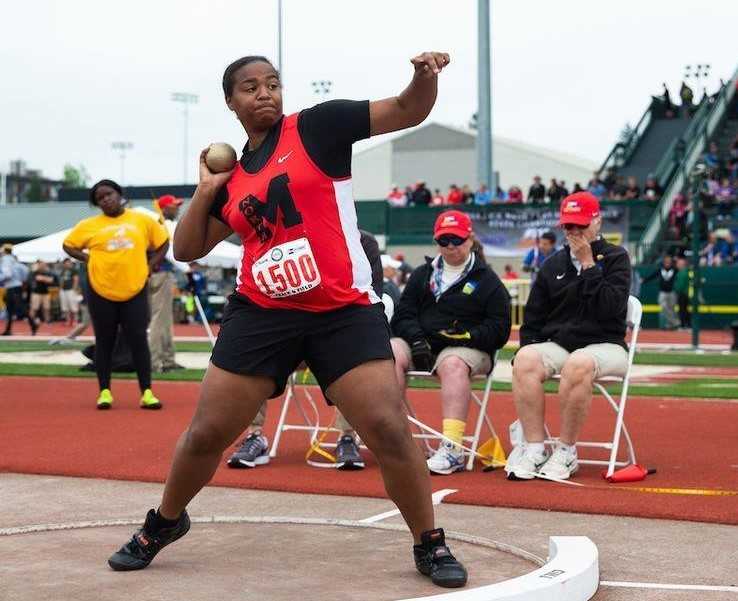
[119, 247]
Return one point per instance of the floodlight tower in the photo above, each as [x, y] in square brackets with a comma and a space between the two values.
[322, 87]
[122, 148]
[186, 99]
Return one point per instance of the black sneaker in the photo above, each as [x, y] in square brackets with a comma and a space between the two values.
[137, 553]
[252, 451]
[433, 558]
[347, 454]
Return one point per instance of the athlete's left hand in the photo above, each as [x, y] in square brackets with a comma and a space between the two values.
[430, 64]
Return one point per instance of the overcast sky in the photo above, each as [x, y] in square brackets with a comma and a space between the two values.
[567, 74]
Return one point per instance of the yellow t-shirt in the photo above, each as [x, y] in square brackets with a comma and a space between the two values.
[117, 268]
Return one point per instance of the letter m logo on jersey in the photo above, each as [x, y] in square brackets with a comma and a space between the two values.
[278, 197]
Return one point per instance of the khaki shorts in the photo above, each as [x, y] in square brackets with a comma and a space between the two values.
[610, 359]
[478, 361]
[69, 301]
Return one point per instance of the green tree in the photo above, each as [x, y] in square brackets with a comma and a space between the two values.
[75, 177]
[626, 134]
[33, 193]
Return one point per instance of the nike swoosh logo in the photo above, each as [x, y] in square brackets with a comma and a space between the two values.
[559, 277]
[281, 160]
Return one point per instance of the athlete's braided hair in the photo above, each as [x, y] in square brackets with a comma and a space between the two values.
[231, 69]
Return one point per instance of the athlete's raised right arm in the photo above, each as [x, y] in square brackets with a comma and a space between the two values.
[415, 102]
[198, 232]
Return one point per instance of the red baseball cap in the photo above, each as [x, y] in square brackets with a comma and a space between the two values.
[168, 200]
[457, 223]
[579, 208]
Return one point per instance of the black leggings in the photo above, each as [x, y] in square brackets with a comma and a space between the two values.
[133, 318]
[13, 303]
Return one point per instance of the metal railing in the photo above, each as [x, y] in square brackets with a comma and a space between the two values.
[623, 151]
[700, 131]
[673, 156]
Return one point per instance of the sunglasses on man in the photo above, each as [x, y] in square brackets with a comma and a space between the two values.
[574, 226]
[450, 239]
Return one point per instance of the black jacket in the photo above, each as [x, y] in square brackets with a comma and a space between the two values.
[666, 278]
[478, 303]
[574, 310]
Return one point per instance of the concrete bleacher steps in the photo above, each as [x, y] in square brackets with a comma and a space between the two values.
[652, 147]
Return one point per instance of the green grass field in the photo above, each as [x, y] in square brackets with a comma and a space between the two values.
[724, 388]
[684, 358]
[9, 346]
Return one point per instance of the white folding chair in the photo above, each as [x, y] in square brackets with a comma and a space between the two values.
[311, 425]
[299, 396]
[634, 314]
[290, 395]
[483, 419]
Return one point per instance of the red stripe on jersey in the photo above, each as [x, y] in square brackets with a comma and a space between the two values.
[299, 232]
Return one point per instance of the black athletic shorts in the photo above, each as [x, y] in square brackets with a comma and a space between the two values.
[255, 341]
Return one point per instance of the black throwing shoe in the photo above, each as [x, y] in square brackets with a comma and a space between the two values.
[433, 558]
[347, 454]
[137, 553]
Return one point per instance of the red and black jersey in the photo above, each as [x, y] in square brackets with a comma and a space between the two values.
[297, 223]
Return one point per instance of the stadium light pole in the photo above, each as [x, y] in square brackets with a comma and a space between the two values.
[186, 99]
[122, 148]
[699, 72]
[485, 170]
[280, 47]
[697, 182]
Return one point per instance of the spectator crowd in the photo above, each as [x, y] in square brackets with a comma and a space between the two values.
[718, 214]
[608, 187]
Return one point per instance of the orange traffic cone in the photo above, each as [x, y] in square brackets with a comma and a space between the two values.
[631, 473]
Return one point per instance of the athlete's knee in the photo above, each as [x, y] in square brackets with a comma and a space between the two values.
[205, 439]
[388, 433]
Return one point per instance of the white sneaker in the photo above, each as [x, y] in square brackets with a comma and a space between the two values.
[523, 463]
[448, 459]
[561, 465]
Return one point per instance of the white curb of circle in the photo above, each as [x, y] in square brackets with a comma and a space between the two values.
[570, 574]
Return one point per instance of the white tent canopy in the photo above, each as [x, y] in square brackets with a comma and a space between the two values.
[49, 249]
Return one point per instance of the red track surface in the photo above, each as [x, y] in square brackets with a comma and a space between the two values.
[652, 336]
[50, 426]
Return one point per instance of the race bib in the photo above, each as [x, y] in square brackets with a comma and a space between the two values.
[286, 270]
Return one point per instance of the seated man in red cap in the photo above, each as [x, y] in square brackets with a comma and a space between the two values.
[574, 325]
[452, 316]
